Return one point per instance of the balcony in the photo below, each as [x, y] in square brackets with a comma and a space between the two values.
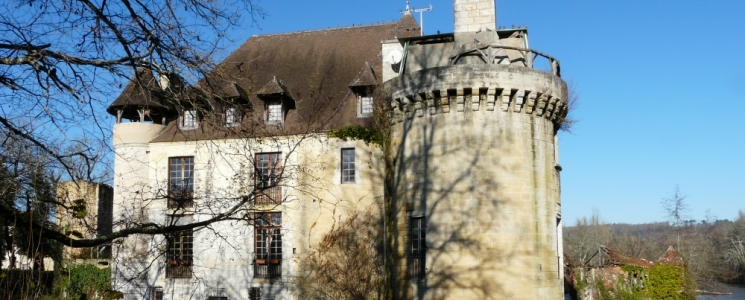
[272, 269]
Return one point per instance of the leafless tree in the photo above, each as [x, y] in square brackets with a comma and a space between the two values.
[676, 210]
[62, 62]
[347, 263]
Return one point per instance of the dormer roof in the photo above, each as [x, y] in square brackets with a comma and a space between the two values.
[273, 88]
[366, 77]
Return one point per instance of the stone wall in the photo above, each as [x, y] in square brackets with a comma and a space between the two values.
[475, 154]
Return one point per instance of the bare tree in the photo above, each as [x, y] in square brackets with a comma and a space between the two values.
[676, 210]
[347, 264]
[61, 63]
[584, 240]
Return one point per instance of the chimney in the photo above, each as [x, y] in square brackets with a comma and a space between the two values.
[475, 19]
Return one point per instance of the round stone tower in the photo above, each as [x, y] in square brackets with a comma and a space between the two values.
[147, 113]
[475, 176]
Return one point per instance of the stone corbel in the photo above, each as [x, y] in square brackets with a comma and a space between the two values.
[519, 100]
[560, 110]
[418, 105]
[505, 96]
[430, 96]
[406, 101]
[476, 99]
[395, 103]
[445, 101]
[542, 104]
[460, 101]
[530, 105]
[551, 108]
[490, 99]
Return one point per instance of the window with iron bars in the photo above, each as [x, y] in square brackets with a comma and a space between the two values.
[232, 117]
[157, 293]
[347, 165]
[418, 247]
[217, 294]
[267, 177]
[180, 255]
[274, 112]
[268, 245]
[181, 182]
[189, 119]
[254, 294]
[365, 106]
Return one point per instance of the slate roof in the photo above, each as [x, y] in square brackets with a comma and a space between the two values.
[315, 68]
[146, 93]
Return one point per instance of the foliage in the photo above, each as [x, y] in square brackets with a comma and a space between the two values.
[77, 280]
[355, 132]
[668, 282]
[346, 263]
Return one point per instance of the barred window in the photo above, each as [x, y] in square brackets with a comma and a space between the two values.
[418, 247]
[347, 165]
[180, 256]
[254, 294]
[268, 244]
[189, 119]
[267, 177]
[232, 117]
[274, 112]
[157, 293]
[366, 106]
[181, 182]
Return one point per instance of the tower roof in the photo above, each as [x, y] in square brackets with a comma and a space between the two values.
[142, 92]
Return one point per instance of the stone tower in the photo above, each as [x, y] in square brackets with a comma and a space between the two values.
[141, 114]
[474, 185]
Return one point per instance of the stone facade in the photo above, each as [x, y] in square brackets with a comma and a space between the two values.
[97, 201]
[476, 191]
[468, 184]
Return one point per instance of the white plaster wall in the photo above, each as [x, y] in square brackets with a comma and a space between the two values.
[314, 200]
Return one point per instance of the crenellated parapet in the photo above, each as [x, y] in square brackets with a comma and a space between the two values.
[467, 89]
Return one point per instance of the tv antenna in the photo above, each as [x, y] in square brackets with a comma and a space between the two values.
[409, 10]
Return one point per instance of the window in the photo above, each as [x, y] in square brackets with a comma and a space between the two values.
[180, 256]
[274, 112]
[217, 294]
[267, 177]
[189, 119]
[181, 182]
[268, 245]
[232, 117]
[418, 247]
[157, 293]
[364, 106]
[347, 165]
[254, 294]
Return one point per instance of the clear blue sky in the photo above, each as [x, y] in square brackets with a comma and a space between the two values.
[661, 87]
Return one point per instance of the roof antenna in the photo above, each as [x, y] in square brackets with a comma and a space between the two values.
[409, 10]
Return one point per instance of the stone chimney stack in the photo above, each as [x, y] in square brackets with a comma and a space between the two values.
[475, 19]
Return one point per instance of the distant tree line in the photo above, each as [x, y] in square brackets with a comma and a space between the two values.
[714, 250]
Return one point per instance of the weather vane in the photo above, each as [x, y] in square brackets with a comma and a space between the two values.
[409, 10]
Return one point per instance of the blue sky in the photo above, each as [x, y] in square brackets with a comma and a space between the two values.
[660, 85]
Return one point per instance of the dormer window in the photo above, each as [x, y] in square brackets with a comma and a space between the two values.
[364, 106]
[274, 112]
[189, 119]
[277, 101]
[232, 117]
